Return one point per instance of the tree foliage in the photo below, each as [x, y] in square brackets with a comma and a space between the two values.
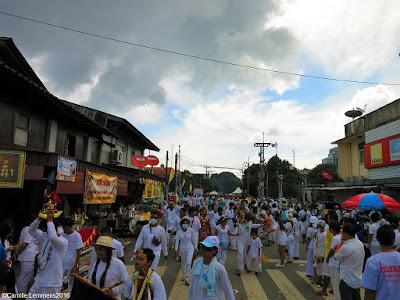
[226, 182]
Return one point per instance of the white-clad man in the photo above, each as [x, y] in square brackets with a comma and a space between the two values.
[153, 236]
[52, 247]
[171, 211]
[305, 216]
[194, 222]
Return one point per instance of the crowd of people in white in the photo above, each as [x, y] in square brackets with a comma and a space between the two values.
[345, 250]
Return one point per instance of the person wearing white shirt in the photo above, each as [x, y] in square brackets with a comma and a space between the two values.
[209, 278]
[52, 247]
[136, 288]
[334, 228]
[254, 252]
[289, 229]
[230, 214]
[153, 236]
[194, 222]
[186, 246]
[108, 270]
[351, 255]
[305, 216]
[297, 224]
[373, 229]
[310, 243]
[171, 211]
[223, 233]
[72, 255]
[27, 250]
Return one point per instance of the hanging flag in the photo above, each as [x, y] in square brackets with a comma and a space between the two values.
[171, 175]
[183, 182]
[75, 218]
[190, 188]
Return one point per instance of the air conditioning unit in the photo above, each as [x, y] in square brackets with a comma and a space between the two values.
[117, 156]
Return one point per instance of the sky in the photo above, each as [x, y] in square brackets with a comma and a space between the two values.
[215, 111]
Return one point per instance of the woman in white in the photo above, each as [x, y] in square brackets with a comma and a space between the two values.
[185, 242]
[281, 236]
[230, 213]
[108, 270]
[297, 226]
[310, 243]
[290, 229]
[223, 232]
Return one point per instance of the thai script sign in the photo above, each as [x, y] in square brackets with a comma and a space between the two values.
[12, 169]
[100, 188]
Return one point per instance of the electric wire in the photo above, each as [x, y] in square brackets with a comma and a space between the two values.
[194, 56]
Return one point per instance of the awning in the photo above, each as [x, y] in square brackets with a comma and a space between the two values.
[354, 187]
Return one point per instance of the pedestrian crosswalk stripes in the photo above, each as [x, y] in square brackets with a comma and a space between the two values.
[254, 290]
[303, 275]
[180, 290]
[285, 285]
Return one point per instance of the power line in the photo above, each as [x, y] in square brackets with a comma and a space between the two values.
[194, 56]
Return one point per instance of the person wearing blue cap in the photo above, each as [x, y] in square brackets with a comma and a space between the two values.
[209, 278]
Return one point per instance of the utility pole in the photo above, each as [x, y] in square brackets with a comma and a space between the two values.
[176, 173]
[262, 172]
[294, 158]
[248, 175]
[179, 173]
[166, 176]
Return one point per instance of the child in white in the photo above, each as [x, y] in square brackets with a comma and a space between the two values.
[289, 229]
[72, 255]
[185, 242]
[52, 248]
[319, 251]
[254, 251]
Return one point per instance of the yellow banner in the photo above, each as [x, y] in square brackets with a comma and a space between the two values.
[99, 188]
[183, 182]
[152, 189]
[190, 188]
[171, 175]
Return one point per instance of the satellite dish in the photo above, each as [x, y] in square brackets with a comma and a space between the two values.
[354, 113]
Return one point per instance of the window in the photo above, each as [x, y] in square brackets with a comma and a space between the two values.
[70, 145]
[21, 130]
[361, 157]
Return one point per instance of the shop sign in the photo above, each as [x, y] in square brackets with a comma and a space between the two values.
[100, 188]
[12, 169]
[66, 169]
[152, 189]
[383, 152]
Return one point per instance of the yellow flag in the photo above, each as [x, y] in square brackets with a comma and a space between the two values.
[183, 182]
[75, 218]
[190, 188]
[82, 220]
[171, 175]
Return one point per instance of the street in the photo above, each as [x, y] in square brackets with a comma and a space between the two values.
[289, 282]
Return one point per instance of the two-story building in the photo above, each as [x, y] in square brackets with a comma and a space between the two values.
[369, 154]
[37, 130]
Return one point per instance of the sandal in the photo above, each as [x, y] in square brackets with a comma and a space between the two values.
[320, 293]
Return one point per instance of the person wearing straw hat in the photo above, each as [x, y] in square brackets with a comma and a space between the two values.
[289, 229]
[108, 270]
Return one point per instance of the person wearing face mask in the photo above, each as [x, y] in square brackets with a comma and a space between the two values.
[144, 281]
[153, 236]
[171, 211]
[185, 242]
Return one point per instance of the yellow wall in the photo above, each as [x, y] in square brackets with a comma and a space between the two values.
[349, 165]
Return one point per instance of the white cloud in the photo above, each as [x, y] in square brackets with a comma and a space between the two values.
[148, 113]
[373, 97]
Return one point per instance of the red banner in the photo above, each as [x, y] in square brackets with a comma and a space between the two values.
[89, 235]
[100, 188]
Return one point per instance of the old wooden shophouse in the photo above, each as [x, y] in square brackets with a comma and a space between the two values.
[51, 144]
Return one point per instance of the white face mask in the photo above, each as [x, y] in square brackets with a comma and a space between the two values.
[153, 221]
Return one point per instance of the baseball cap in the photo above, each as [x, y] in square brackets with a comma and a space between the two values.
[210, 241]
[313, 219]
[321, 223]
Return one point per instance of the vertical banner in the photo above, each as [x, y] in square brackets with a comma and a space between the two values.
[171, 175]
[12, 169]
[99, 188]
[66, 169]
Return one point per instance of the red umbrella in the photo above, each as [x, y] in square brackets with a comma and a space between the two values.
[372, 201]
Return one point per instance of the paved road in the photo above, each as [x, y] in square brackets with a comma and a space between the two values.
[289, 282]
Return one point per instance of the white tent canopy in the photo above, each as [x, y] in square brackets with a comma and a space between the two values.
[237, 191]
[214, 193]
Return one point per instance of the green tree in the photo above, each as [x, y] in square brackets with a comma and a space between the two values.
[226, 182]
[315, 175]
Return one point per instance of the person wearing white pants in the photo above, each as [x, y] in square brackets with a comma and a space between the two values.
[186, 246]
[289, 229]
[230, 214]
[27, 250]
[296, 236]
[223, 234]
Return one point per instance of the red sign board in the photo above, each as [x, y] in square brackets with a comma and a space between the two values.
[152, 160]
[139, 161]
[383, 152]
[326, 175]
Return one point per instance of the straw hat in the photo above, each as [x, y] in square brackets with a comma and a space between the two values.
[104, 241]
[289, 217]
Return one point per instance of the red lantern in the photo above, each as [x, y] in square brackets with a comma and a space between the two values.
[139, 161]
[152, 160]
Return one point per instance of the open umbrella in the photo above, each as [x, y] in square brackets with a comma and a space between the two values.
[371, 201]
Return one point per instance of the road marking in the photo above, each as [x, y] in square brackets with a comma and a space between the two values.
[254, 290]
[315, 287]
[286, 287]
[277, 260]
[180, 290]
